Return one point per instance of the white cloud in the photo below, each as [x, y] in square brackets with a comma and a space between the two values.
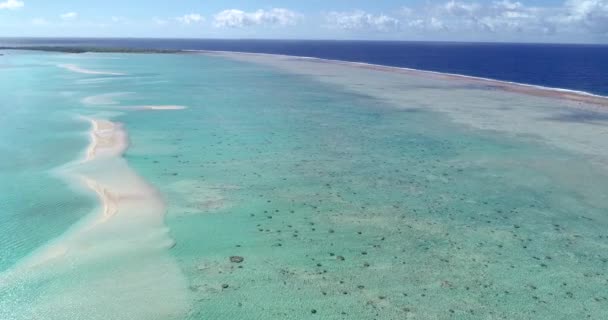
[361, 20]
[461, 8]
[509, 5]
[592, 15]
[191, 18]
[159, 21]
[11, 4]
[507, 16]
[118, 19]
[406, 11]
[430, 24]
[476, 17]
[436, 24]
[234, 18]
[463, 17]
[571, 16]
[39, 22]
[69, 16]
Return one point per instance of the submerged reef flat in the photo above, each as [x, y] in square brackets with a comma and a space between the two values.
[559, 117]
[293, 189]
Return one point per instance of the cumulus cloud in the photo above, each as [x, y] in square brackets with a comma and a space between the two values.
[234, 18]
[69, 16]
[509, 5]
[361, 20]
[430, 24]
[159, 21]
[587, 16]
[39, 22]
[119, 19]
[11, 4]
[476, 17]
[494, 16]
[191, 18]
[592, 15]
[512, 17]
[458, 8]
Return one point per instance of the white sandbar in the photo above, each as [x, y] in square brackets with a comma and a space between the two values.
[115, 264]
[75, 68]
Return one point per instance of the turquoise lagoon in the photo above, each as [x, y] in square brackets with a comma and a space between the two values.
[351, 193]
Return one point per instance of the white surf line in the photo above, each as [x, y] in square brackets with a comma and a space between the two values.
[75, 68]
[570, 94]
[126, 233]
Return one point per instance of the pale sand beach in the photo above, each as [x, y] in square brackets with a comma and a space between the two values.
[128, 228]
[108, 201]
[75, 68]
[107, 139]
[159, 107]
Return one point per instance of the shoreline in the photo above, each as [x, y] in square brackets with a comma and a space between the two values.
[509, 86]
[106, 139]
[126, 226]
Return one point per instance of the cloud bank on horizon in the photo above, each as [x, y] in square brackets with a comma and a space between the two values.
[498, 20]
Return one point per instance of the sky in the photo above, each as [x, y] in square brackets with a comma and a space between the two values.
[566, 21]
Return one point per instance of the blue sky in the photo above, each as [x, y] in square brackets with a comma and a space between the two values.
[451, 20]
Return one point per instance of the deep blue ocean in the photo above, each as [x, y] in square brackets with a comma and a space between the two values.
[567, 66]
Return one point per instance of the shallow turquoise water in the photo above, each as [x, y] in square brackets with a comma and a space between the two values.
[343, 205]
[38, 132]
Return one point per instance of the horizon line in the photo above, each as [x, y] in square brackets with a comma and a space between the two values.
[296, 40]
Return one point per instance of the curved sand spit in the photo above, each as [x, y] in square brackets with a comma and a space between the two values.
[115, 264]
